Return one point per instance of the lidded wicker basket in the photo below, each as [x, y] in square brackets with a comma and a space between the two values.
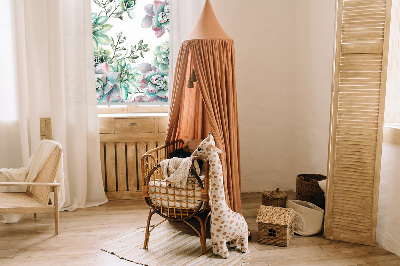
[308, 189]
[275, 225]
[274, 198]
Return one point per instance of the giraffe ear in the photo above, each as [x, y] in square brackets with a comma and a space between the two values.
[216, 149]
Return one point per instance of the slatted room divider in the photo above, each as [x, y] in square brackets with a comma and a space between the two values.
[358, 95]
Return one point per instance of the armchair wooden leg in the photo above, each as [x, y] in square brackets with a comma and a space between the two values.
[147, 235]
[56, 212]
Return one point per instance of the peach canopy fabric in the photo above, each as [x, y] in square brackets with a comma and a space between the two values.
[211, 106]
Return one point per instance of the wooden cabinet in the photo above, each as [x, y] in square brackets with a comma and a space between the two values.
[123, 141]
[135, 125]
[106, 125]
[149, 128]
[162, 125]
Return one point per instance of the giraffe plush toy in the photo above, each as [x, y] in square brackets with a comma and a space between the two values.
[226, 225]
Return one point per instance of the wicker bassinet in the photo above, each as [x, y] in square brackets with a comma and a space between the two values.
[170, 202]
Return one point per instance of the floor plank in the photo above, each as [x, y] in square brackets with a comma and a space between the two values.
[82, 233]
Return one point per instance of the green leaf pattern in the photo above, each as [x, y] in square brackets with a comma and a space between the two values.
[128, 70]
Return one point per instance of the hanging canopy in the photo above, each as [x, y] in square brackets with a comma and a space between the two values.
[211, 104]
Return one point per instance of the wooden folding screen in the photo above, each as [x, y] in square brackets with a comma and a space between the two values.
[358, 96]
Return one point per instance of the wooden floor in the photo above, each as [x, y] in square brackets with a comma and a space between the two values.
[83, 232]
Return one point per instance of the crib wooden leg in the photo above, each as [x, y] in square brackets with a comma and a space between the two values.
[203, 232]
[147, 235]
[203, 236]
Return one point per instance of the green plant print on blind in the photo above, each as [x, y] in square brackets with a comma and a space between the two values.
[131, 50]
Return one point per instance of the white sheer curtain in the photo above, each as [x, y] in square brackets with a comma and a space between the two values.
[10, 147]
[183, 18]
[55, 78]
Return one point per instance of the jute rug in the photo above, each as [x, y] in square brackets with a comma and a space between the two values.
[168, 247]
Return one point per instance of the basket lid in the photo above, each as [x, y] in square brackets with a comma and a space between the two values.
[275, 215]
[311, 177]
[275, 194]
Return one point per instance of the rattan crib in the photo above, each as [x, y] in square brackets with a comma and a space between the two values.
[170, 202]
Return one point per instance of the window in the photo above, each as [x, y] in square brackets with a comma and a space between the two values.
[131, 50]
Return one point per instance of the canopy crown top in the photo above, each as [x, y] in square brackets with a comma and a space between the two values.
[207, 26]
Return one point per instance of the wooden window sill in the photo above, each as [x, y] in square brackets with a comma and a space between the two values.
[131, 109]
[127, 115]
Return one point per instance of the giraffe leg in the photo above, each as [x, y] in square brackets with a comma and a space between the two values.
[222, 249]
[243, 243]
[232, 244]
[215, 248]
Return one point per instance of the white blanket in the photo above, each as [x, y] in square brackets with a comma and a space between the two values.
[29, 173]
[176, 170]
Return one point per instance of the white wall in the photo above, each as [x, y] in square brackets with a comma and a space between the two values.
[284, 52]
[314, 60]
[264, 33]
[388, 227]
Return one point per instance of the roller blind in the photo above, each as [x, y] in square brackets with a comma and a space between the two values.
[358, 97]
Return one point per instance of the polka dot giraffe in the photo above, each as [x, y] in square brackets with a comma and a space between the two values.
[226, 225]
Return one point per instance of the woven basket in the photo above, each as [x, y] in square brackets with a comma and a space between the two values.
[274, 198]
[275, 225]
[308, 189]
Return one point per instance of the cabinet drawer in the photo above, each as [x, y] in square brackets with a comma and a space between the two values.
[134, 125]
